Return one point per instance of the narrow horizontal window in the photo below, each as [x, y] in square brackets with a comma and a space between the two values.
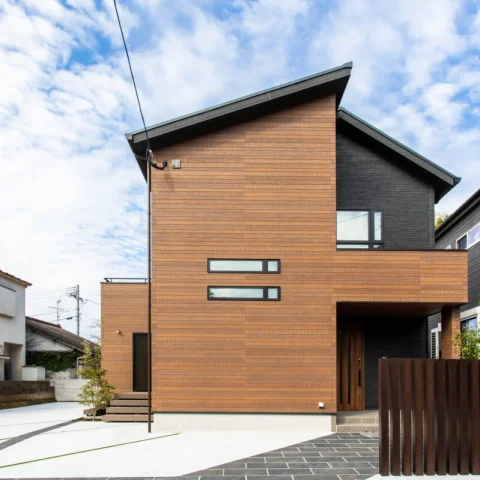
[243, 293]
[232, 265]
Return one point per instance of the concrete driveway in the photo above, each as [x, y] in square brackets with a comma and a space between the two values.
[22, 420]
[87, 449]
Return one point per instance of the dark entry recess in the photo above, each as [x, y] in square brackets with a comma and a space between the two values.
[140, 362]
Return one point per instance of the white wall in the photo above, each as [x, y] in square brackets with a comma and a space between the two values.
[12, 328]
[67, 390]
[41, 343]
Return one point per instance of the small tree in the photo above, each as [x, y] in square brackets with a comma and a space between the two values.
[97, 392]
[469, 343]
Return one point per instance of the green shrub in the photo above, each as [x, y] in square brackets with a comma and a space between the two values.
[469, 343]
[97, 392]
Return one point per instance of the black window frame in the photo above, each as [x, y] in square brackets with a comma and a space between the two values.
[246, 299]
[262, 272]
[371, 243]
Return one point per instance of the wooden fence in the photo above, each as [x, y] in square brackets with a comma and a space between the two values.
[429, 416]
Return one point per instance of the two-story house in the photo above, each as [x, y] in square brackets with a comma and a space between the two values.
[12, 326]
[461, 231]
[293, 245]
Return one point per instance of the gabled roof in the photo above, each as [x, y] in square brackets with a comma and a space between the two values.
[314, 86]
[13, 278]
[56, 332]
[442, 180]
[464, 209]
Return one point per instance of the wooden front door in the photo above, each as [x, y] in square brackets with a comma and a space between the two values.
[140, 362]
[350, 365]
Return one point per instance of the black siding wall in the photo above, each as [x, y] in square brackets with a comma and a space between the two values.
[393, 337]
[450, 238]
[368, 179]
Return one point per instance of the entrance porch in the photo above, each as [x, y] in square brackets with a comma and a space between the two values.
[369, 331]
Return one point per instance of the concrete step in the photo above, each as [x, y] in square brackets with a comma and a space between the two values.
[125, 418]
[131, 396]
[357, 420]
[128, 410]
[129, 403]
[358, 428]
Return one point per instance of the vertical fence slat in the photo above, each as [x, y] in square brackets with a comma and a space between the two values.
[407, 467]
[441, 393]
[475, 417]
[394, 387]
[418, 416]
[444, 398]
[429, 417]
[464, 367]
[384, 416]
[452, 417]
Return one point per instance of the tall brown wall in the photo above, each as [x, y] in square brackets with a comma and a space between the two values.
[124, 308]
[261, 189]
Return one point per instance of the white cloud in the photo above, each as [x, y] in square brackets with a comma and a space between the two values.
[72, 198]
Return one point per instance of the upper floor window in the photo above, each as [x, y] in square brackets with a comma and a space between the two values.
[359, 229]
[231, 265]
[469, 239]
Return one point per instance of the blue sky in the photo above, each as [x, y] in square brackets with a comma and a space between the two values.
[72, 197]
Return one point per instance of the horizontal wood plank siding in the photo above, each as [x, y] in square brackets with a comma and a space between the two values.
[261, 189]
[124, 308]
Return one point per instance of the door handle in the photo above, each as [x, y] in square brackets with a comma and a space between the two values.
[359, 373]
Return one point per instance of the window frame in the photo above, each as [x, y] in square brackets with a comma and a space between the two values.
[466, 235]
[264, 270]
[371, 231]
[246, 299]
[465, 322]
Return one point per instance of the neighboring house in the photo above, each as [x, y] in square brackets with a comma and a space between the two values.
[461, 231]
[48, 337]
[293, 245]
[12, 326]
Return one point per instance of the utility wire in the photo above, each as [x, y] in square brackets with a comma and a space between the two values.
[133, 77]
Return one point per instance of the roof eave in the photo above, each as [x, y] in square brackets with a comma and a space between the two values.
[328, 82]
[466, 207]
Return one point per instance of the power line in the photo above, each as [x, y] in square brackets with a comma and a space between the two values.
[133, 77]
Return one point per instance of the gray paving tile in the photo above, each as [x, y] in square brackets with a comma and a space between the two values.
[354, 477]
[316, 477]
[337, 459]
[216, 477]
[362, 470]
[351, 453]
[245, 471]
[351, 464]
[237, 464]
[283, 464]
[283, 460]
[269, 477]
[336, 471]
[210, 471]
[289, 471]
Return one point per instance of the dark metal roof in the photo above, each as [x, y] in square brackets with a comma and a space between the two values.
[313, 86]
[465, 208]
[442, 180]
[56, 332]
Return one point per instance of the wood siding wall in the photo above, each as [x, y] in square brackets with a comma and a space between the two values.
[124, 308]
[264, 189]
[260, 189]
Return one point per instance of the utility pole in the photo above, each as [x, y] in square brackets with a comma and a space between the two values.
[74, 292]
[59, 311]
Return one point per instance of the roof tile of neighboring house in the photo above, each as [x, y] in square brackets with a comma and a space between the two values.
[56, 332]
[9, 276]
